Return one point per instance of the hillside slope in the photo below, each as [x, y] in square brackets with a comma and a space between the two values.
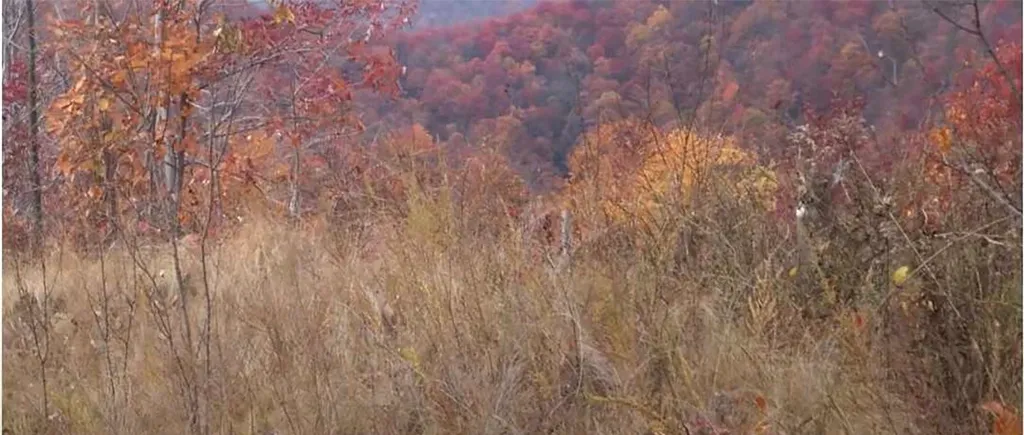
[750, 68]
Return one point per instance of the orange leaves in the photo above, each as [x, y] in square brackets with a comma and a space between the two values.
[740, 411]
[989, 98]
[72, 100]
[123, 74]
[730, 91]
[174, 63]
[983, 123]
[137, 63]
[180, 63]
[258, 146]
[858, 321]
[64, 164]
[113, 66]
[685, 160]
[419, 137]
[942, 137]
[761, 403]
[1005, 421]
[95, 192]
[628, 175]
[179, 60]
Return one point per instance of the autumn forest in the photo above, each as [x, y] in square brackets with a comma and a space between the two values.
[512, 216]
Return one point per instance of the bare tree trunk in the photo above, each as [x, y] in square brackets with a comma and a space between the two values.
[35, 182]
[110, 191]
[160, 116]
[170, 158]
[109, 162]
[293, 200]
[13, 17]
[172, 174]
[566, 242]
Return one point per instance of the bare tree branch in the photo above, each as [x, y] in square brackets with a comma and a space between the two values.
[978, 32]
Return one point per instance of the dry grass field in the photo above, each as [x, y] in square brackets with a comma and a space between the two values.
[428, 324]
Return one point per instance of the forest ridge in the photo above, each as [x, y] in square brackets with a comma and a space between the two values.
[750, 68]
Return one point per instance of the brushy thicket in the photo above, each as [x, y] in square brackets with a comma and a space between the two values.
[436, 314]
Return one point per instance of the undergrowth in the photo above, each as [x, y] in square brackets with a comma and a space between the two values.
[713, 316]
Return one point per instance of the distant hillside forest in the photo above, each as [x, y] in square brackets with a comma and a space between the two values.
[542, 76]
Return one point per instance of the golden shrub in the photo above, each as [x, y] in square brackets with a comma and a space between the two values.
[622, 176]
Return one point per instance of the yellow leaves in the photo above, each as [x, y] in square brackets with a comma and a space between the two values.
[283, 14]
[759, 185]
[659, 18]
[138, 63]
[229, 38]
[899, 277]
[852, 57]
[637, 36]
[684, 161]
[641, 33]
[409, 355]
[628, 172]
[103, 104]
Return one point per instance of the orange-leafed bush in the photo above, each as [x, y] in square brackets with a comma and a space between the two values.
[632, 173]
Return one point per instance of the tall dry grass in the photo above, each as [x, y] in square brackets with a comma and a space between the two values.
[439, 320]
